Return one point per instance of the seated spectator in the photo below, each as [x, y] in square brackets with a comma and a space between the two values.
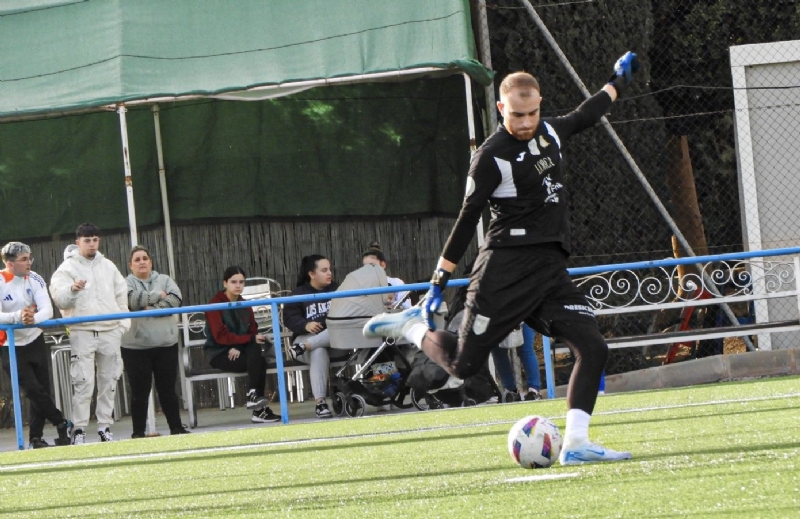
[234, 344]
[150, 347]
[310, 341]
[375, 256]
[529, 363]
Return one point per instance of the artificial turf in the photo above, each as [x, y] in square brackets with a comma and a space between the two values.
[723, 450]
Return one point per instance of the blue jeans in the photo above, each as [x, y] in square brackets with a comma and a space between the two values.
[530, 363]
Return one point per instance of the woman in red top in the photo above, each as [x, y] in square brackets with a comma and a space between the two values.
[234, 344]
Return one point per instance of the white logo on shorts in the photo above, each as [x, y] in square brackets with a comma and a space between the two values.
[480, 324]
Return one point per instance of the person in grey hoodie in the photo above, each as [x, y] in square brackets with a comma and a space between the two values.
[150, 348]
[89, 284]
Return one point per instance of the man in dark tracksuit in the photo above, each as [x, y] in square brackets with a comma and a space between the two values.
[520, 272]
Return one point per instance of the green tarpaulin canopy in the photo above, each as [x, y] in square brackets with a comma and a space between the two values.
[67, 55]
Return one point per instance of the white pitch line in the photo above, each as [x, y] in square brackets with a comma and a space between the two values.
[543, 477]
[84, 461]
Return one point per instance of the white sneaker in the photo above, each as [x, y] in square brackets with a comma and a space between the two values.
[394, 324]
[105, 435]
[78, 437]
[588, 452]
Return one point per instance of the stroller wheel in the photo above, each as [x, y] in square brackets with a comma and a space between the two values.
[355, 406]
[337, 401]
[419, 403]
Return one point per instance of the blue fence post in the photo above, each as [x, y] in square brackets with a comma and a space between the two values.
[278, 346]
[12, 356]
[549, 375]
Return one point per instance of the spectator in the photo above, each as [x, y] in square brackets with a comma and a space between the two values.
[24, 299]
[529, 363]
[310, 341]
[375, 256]
[234, 344]
[88, 284]
[150, 348]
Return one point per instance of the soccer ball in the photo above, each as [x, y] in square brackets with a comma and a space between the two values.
[534, 442]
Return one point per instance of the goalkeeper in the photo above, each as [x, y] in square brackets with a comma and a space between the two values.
[520, 272]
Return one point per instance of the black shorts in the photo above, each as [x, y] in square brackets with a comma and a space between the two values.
[516, 284]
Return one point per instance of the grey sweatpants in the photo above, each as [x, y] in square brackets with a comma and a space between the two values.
[318, 359]
[90, 349]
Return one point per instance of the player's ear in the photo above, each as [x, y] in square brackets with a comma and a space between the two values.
[500, 106]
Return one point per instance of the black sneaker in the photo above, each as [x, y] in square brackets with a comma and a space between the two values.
[64, 432]
[254, 401]
[38, 443]
[511, 396]
[180, 430]
[323, 411]
[532, 394]
[106, 436]
[264, 416]
[137, 435]
[297, 350]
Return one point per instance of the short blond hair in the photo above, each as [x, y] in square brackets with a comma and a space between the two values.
[519, 80]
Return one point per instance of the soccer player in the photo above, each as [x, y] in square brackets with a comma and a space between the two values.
[520, 272]
[24, 299]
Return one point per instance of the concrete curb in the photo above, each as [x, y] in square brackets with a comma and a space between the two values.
[707, 370]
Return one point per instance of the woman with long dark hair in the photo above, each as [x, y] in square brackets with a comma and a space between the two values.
[310, 342]
[234, 344]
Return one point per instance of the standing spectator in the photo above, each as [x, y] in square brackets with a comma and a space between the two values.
[24, 299]
[529, 363]
[310, 341]
[375, 256]
[85, 284]
[150, 348]
[234, 344]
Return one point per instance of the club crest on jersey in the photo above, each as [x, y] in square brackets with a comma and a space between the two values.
[533, 148]
[552, 190]
[542, 142]
[480, 324]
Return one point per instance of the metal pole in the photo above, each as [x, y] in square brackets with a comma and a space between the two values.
[162, 180]
[472, 143]
[126, 158]
[123, 127]
[278, 347]
[12, 357]
[631, 163]
[484, 45]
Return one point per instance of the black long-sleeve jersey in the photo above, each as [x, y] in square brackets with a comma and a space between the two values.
[524, 183]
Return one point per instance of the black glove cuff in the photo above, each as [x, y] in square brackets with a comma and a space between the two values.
[441, 277]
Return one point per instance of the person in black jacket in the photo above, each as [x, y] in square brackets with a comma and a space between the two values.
[310, 342]
[520, 272]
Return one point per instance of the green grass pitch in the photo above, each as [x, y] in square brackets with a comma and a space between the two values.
[723, 450]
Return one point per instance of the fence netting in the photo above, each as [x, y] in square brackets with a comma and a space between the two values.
[682, 123]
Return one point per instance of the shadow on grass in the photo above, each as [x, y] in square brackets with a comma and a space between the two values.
[171, 457]
[252, 489]
[747, 412]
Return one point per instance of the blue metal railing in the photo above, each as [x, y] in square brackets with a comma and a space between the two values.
[274, 302]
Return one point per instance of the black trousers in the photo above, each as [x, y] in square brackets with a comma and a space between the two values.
[251, 361]
[142, 366]
[34, 380]
[530, 284]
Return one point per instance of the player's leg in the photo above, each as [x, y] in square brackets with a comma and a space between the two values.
[501, 293]
[567, 316]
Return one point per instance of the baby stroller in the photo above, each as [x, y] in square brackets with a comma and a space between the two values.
[384, 364]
